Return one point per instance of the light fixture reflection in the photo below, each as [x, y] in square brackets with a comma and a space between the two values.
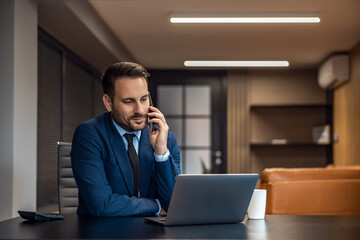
[236, 63]
[245, 19]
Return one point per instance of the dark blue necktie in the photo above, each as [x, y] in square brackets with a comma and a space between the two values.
[134, 159]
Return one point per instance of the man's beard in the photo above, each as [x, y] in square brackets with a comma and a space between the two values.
[137, 127]
[127, 124]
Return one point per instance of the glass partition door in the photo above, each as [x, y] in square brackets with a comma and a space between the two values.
[194, 104]
[187, 109]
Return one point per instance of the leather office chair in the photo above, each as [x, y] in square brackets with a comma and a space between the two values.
[68, 191]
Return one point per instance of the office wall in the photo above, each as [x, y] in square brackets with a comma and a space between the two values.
[25, 105]
[238, 151]
[6, 106]
[347, 115]
[18, 74]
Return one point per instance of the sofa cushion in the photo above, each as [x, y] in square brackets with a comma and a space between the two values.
[321, 197]
[333, 190]
[294, 174]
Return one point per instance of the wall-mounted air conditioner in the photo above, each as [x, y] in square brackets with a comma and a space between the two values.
[334, 71]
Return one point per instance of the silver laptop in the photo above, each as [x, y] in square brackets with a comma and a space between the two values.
[209, 199]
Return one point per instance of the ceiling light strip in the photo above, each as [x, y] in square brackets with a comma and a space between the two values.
[236, 63]
[245, 20]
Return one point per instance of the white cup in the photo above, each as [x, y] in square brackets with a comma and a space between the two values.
[257, 204]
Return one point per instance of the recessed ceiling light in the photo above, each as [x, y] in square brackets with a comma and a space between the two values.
[245, 19]
[236, 63]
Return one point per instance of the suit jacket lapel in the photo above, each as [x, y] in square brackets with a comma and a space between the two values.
[122, 158]
[146, 158]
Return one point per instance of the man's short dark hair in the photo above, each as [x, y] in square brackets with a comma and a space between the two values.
[120, 70]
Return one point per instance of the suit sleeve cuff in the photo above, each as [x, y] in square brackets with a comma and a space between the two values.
[162, 158]
[158, 202]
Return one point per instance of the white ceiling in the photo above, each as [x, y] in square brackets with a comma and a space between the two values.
[144, 29]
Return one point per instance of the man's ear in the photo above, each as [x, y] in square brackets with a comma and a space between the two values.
[107, 102]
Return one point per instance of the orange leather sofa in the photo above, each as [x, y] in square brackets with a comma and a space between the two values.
[312, 191]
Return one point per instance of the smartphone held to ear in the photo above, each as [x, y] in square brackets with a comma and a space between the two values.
[152, 126]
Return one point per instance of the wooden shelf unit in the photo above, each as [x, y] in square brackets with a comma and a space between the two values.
[286, 106]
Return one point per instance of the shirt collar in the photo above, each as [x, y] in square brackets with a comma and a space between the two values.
[122, 131]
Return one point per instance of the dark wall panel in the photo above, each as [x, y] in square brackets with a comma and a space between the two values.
[98, 93]
[49, 122]
[78, 98]
[69, 93]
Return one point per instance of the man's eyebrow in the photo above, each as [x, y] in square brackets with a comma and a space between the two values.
[132, 99]
[127, 99]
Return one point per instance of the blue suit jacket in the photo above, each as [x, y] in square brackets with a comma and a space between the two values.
[103, 174]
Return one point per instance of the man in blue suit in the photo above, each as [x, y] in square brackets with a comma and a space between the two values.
[125, 161]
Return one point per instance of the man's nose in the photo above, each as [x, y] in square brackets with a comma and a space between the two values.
[139, 108]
